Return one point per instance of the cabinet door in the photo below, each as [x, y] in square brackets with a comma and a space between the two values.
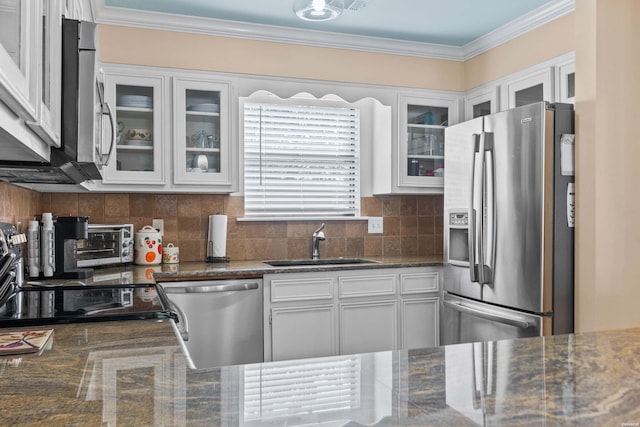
[139, 114]
[529, 89]
[49, 73]
[421, 140]
[567, 83]
[420, 322]
[202, 152]
[300, 332]
[481, 102]
[366, 327]
[18, 56]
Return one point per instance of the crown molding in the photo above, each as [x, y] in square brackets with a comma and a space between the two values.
[217, 27]
[519, 26]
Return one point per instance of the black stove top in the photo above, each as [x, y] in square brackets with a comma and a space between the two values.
[69, 304]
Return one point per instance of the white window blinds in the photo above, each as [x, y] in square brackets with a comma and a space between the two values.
[301, 161]
[296, 389]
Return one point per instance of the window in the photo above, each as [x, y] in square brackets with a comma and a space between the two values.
[301, 160]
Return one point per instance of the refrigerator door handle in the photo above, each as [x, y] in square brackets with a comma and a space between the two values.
[472, 214]
[480, 218]
[489, 238]
[517, 321]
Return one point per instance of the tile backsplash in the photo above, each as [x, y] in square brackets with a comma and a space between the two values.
[18, 205]
[412, 224]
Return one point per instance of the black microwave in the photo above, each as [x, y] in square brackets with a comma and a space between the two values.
[106, 244]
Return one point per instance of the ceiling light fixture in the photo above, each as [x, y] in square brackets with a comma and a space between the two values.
[318, 10]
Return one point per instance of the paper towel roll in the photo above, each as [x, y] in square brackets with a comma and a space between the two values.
[217, 239]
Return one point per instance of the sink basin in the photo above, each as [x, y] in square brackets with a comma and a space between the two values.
[323, 261]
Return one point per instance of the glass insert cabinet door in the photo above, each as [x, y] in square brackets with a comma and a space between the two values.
[422, 141]
[138, 153]
[201, 148]
[18, 84]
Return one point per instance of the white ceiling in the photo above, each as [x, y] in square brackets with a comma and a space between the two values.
[437, 28]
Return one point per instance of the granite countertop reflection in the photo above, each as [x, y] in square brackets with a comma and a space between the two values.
[140, 274]
[134, 373]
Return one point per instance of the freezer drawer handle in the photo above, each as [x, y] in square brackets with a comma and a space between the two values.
[516, 321]
[207, 289]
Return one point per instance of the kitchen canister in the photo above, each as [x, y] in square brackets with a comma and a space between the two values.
[170, 254]
[148, 246]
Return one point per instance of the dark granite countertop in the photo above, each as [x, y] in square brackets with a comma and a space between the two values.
[134, 373]
[135, 274]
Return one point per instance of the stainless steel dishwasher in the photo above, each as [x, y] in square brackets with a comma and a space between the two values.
[220, 321]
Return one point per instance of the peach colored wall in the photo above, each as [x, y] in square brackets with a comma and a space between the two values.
[550, 40]
[412, 225]
[127, 45]
[607, 153]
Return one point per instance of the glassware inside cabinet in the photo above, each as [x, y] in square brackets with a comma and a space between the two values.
[425, 144]
[134, 112]
[202, 131]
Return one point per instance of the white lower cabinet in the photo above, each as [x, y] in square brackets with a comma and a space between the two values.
[420, 322]
[300, 332]
[352, 311]
[367, 327]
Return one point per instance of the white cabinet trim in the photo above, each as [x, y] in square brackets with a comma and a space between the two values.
[301, 289]
[426, 282]
[365, 286]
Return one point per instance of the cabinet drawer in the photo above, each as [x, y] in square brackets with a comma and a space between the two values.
[414, 283]
[364, 286]
[301, 289]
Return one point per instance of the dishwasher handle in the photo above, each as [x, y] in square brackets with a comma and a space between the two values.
[208, 289]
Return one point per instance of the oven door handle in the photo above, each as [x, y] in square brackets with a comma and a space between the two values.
[207, 289]
[517, 321]
[99, 308]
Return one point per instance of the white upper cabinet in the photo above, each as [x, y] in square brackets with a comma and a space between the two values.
[139, 109]
[529, 88]
[49, 73]
[19, 56]
[30, 78]
[481, 102]
[172, 131]
[421, 140]
[566, 82]
[201, 149]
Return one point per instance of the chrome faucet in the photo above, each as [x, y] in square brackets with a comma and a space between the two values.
[318, 235]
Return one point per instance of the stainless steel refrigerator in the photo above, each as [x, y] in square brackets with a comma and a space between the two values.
[508, 219]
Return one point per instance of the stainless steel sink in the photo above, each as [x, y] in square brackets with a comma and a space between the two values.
[323, 261]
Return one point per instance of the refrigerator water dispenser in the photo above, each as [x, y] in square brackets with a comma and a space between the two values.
[459, 237]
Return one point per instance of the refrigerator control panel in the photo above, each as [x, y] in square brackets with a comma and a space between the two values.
[458, 219]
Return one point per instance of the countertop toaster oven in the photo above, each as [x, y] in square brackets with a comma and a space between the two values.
[106, 244]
